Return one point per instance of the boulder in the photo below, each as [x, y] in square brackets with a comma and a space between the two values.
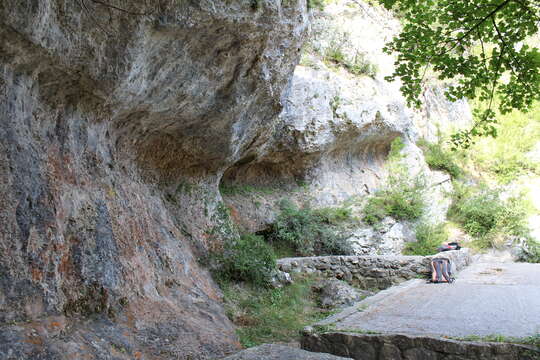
[386, 238]
[334, 293]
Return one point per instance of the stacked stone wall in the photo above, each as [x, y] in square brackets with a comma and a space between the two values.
[371, 272]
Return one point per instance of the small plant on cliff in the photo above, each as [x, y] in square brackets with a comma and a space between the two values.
[310, 231]
[400, 202]
[402, 197]
[249, 259]
[360, 65]
[316, 4]
[439, 158]
[335, 54]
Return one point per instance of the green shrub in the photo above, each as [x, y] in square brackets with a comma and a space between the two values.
[506, 156]
[429, 238]
[396, 147]
[401, 200]
[479, 213]
[490, 220]
[249, 259]
[402, 197]
[440, 159]
[310, 231]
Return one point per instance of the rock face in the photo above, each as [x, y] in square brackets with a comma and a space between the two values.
[334, 293]
[398, 347]
[116, 123]
[338, 122]
[388, 238]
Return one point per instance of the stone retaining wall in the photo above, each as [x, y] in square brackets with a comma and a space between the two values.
[369, 272]
[405, 347]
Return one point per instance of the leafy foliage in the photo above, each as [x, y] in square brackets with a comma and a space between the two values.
[478, 213]
[440, 159]
[310, 231]
[481, 45]
[249, 259]
[316, 4]
[429, 238]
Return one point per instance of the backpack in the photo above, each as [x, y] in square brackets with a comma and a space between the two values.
[441, 271]
[449, 246]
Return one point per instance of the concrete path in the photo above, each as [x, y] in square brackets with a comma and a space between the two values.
[488, 298]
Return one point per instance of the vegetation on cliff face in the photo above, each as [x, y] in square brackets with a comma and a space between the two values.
[403, 194]
[310, 232]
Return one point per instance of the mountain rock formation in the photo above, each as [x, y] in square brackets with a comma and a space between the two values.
[117, 120]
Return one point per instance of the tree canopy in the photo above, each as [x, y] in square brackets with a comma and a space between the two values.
[482, 46]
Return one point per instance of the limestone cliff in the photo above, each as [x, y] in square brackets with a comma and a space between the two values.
[117, 119]
[339, 119]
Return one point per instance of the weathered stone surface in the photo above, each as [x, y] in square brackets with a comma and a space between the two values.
[280, 278]
[115, 128]
[280, 352]
[376, 271]
[388, 238]
[374, 347]
[334, 293]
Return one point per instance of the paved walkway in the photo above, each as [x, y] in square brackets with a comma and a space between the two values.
[488, 298]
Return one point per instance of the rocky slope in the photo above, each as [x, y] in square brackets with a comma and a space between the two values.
[117, 121]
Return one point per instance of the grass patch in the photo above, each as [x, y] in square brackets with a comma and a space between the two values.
[307, 232]
[439, 158]
[429, 238]
[271, 315]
